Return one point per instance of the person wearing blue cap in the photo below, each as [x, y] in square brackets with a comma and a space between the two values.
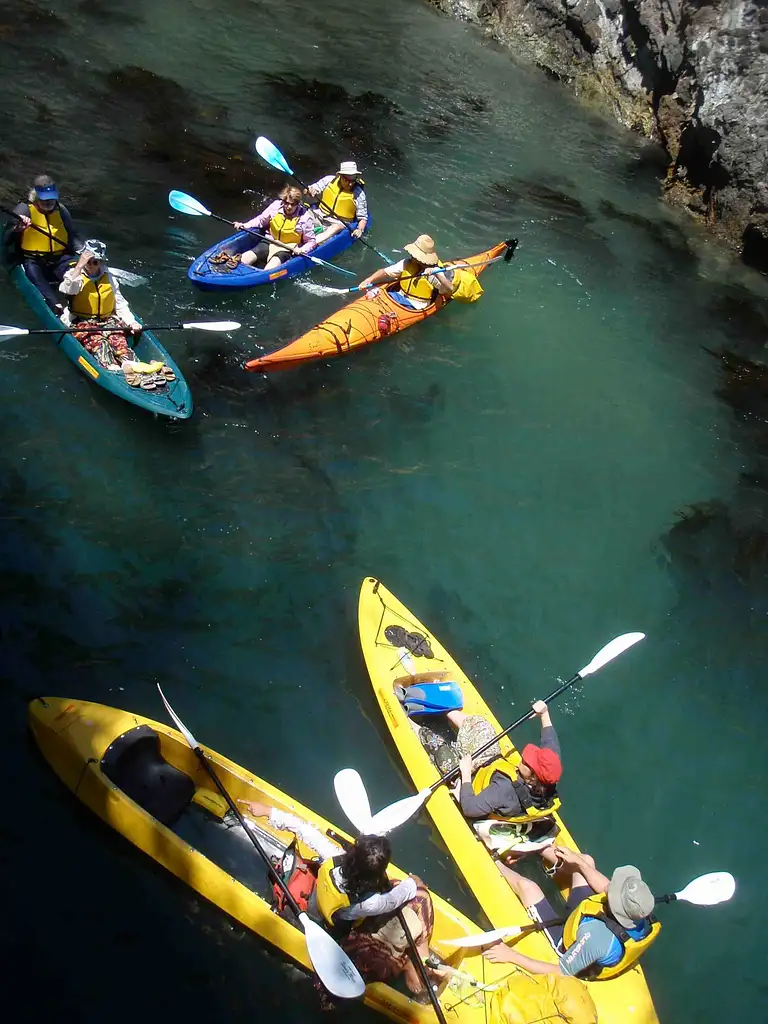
[45, 238]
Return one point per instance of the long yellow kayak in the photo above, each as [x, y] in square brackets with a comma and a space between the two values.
[619, 1000]
[89, 746]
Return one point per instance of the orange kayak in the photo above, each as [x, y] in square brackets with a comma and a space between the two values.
[365, 320]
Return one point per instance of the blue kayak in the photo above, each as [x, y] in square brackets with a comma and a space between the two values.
[217, 277]
[174, 400]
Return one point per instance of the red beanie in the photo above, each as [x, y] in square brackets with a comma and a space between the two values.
[545, 763]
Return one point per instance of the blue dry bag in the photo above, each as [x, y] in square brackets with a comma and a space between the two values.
[431, 698]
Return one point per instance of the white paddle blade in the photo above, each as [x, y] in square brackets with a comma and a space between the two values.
[212, 325]
[127, 277]
[612, 650]
[187, 204]
[483, 938]
[333, 966]
[708, 890]
[353, 798]
[397, 814]
[180, 725]
[6, 331]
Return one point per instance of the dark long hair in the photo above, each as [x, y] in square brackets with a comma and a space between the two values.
[364, 867]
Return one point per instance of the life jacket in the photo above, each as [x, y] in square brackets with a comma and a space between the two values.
[338, 201]
[300, 876]
[283, 229]
[594, 906]
[466, 287]
[414, 286]
[483, 776]
[330, 898]
[95, 298]
[544, 998]
[51, 225]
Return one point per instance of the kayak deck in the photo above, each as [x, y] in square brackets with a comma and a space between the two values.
[211, 276]
[365, 320]
[624, 998]
[214, 856]
[174, 400]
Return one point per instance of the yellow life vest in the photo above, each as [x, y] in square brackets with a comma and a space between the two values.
[338, 201]
[283, 229]
[330, 898]
[466, 287]
[544, 998]
[413, 285]
[483, 776]
[50, 225]
[95, 298]
[595, 906]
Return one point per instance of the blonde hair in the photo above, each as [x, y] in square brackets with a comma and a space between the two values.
[291, 190]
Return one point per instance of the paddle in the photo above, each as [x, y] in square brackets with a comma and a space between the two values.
[418, 963]
[126, 276]
[333, 966]
[704, 891]
[399, 812]
[270, 154]
[7, 331]
[507, 256]
[188, 204]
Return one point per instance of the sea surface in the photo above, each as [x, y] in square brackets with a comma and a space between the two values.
[564, 461]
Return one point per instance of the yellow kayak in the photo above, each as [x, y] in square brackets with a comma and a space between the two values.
[89, 746]
[619, 1000]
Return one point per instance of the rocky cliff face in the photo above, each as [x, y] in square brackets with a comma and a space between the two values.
[691, 74]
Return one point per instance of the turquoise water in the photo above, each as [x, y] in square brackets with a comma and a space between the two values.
[511, 470]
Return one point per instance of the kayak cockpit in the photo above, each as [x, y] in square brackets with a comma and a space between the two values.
[134, 764]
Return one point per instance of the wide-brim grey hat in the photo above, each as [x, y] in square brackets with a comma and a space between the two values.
[629, 898]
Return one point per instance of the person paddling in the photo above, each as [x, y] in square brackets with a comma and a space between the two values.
[95, 300]
[357, 900]
[609, 923]
[498, 787]
[44, 235]
[341, 202]
[418, 283]
[289, 222]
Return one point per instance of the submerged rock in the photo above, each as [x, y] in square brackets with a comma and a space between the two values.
[690, 74]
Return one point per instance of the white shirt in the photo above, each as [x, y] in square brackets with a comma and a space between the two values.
[379, 903]
[73, 283]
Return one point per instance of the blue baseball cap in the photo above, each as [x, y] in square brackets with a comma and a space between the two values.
[45, 188]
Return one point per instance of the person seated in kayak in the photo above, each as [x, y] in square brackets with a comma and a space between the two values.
[496, 786]
[416, 286]
[341, 202]
[359, 902]
[608, 925]
[95, 300]
[288, 222]
[43, 234]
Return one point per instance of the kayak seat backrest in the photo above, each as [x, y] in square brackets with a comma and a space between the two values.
[133, 762]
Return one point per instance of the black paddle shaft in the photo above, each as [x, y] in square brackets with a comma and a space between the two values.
[525, 718]
[258, 234]
[259, 848]
[106, 330]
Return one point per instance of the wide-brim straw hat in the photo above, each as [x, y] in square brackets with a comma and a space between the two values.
[423, 250]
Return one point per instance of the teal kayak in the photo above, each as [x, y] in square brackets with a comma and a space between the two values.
[174, 400]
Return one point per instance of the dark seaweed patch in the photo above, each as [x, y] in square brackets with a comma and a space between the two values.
[366, 125]
[662, 232]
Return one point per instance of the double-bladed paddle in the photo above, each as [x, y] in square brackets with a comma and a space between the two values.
[271, 155]
[333, 966]
[188, 204]
[398, 813]
[126, 276]
[704, 891]
[6, 331]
